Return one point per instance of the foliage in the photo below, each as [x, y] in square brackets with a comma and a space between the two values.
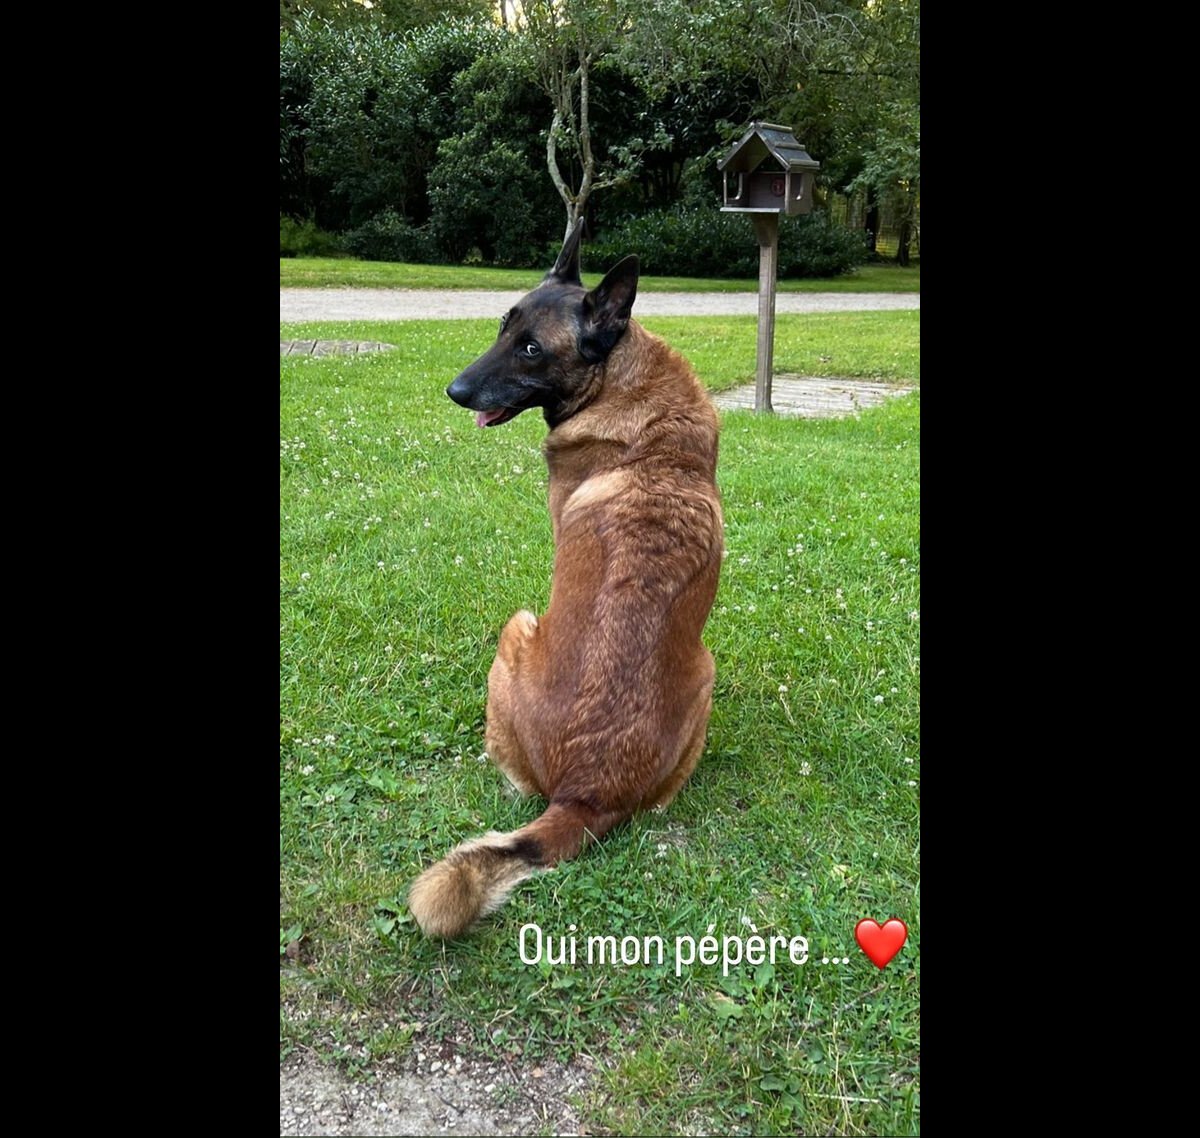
[304, 239]
[892, 170]
[487, 190]
[701, 241]
[302, 57]
[368, 129]
[863, 115]
[614, 108]
[387, 15]
[390, 237]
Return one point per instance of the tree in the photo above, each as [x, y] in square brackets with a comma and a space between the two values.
[892, 171]
[727, 61]
[387, 15]
[566, 36]
[879, 124]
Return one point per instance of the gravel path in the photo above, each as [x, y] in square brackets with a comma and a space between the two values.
[456, 1097]
[303, 304]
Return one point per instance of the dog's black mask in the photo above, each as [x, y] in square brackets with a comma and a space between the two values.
[550, 343]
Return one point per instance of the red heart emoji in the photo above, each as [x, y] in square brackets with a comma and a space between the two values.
[880, 942]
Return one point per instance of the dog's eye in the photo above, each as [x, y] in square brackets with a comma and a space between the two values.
[531, 350]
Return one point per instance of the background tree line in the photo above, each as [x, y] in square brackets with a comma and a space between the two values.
[441, 131]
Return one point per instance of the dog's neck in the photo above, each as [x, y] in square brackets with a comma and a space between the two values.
[642, 380]
[619, 399]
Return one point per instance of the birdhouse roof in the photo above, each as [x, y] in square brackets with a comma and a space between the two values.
[765, 139]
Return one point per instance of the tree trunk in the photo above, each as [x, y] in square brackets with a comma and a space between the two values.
[872, 220]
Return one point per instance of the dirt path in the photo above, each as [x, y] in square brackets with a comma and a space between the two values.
[304, 304]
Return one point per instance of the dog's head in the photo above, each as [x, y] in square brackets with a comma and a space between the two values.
[550, 343]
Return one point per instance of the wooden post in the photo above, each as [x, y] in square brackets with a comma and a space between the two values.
[766, 229]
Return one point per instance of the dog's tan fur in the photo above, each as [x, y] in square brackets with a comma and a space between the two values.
[602, 704]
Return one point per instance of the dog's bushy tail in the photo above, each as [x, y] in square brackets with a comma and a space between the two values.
[475, 878]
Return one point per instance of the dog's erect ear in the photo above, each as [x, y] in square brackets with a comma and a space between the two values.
[566, 268]
[606, 310]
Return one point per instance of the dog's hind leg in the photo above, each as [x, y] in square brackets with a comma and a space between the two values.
[661, 796]
[697, 728]
[503, 745]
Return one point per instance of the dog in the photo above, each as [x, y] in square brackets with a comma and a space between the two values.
[601, 705]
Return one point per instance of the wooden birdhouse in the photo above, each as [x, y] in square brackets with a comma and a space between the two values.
[768, 171]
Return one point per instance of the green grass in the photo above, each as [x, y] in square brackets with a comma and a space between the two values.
[407, 539]
[722, 349]
[345, 272]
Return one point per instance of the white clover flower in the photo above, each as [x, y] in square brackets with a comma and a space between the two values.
[879, 699]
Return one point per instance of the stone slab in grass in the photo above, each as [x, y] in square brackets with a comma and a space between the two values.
[812, 397]
[330, 347]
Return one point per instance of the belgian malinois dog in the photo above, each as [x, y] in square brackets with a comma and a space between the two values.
[601, 705]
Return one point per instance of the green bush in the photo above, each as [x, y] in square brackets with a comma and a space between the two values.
[362, 113]
[488, 188]
[304, 239]
[480, 199]
[389, 237]
[703, 242]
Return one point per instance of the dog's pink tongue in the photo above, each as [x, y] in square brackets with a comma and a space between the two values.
[486, 417]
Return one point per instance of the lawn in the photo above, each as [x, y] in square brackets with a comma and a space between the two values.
[345, 272]
[882, 345]
[408, 537]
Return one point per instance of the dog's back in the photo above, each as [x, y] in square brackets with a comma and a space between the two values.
[602, 704]
[610, 684]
